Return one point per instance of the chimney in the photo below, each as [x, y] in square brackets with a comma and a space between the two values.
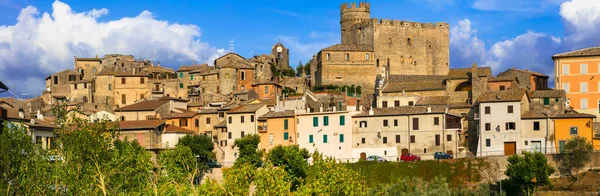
[40, 116]
[428, 109]
[21, 113]
[371, 112]
[32, 121]
[158, 64]
[334, 108]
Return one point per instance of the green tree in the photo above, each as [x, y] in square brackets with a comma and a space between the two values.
[293, 160]
[307, 69]
[248, 150]
[178, 164]
[328, 177]
[271, 180]
[130, 168]
[299, 70]
[530, 171]
[577, 153]
[201, 146]
[237, 180]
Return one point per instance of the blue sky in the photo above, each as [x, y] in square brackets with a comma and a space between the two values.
[496, 33]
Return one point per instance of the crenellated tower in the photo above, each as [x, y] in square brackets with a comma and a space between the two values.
[351, 15]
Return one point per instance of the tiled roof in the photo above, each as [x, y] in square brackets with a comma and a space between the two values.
[195, 104]
[465, 73]
[403, 110]
[414, 86]
[592, 51]
[502, 78]
[208, 111]
[192, 67]
[183, 114]
[434, 100]
[147, 105]
[460, 105]
[269, 102]
[280, 114]
[155, 69]
[240, 91]
[248, 108]
[88, 59]
[40, 124]
[140, 124]
[537, 114]
[529, 72]
[414, 78]
[348, 47]
[172, 98]
[548, 93]
[502, 96]
[574, 115]
[176, 129]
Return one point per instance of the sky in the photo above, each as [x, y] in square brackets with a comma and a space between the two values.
[38, 38]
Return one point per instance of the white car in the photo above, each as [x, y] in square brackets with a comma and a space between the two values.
[376, 158]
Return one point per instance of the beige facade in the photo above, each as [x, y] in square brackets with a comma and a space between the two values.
[345, 65]
[241, 121]
[330, 133]
[88, 67]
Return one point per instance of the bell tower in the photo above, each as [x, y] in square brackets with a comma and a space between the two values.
[351, 15]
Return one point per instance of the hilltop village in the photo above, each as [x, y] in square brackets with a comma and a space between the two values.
[386, 90]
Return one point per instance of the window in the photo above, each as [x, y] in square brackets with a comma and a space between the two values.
[181, 74]
[384, 104]
[141, 80]
[286, 136]
[395, 122]
[362, 140]
[573, 130]
[271, 138]
[325, 139]
[583, 87]
[488, 142]
[341, 138]
[123, 80]
[285, 124]
[181, 85]
[123, 99]
[510, 109]
[84, 85]
[412, 139]
[347, 57]
[437, 140]
[325, 120]
[510, 126]
[424, 150]
[242, 119]
[502, 87]
[566, 87]
[230, 119]
[448, 137]
[363, 124]
[191, 76]
[110, 87]
[565, 69]
[183, 122]
[55, 79]
[342, 120]
[389, 40]
[266, 89]
[488, 126]
[366, 56]
[385, 123]
[583, 68]
[436, 120]
[415, 125]
[536, 126]
[487, 109]
[252, 118]
[71, 78]
[584, 104]
[411, 103]
[310, 139]
[230, 135]
[397, 139]
[397, 103]
[546, 101]
[242, 134]
[409, 42]
[385, 140]
[75, 85]
[315, 121]
[208, 121]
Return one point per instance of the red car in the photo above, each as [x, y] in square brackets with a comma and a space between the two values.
[410, 157]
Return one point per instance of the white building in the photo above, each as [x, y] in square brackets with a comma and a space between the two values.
[330, 133]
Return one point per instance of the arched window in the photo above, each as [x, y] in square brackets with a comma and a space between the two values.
[227, 76]
[465, 86]
[409, 42]
[243, 75]
[377, 62]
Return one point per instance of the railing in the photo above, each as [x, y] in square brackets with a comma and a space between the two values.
[159, 91]
[262, 129]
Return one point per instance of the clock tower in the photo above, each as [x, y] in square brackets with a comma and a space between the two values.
[281, 56]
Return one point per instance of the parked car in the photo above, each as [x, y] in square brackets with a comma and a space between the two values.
[442, 155]
[410, 157]
[376, 158]
[214, 164]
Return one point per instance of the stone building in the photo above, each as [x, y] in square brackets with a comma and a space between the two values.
[88, 68]
[281, 56]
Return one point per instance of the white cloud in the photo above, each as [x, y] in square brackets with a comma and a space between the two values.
[304, 49]
[515, 5]
[582, 22]
[41, 44]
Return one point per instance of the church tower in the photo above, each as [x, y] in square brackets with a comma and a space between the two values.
[349, 16]
[281, 56]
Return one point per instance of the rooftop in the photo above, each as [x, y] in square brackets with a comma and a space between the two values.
[403, 110]
[348, 47]
[465, 73]
[176, 129]
[434, 100]
[192, 67]
[146, 105]
[248, 108]
[280, 114]
[592, 51]
[140, 124]
[501, 96]
[430, 85]
[548, 93]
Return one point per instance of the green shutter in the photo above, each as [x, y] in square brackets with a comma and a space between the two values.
[191, 76]
[285, 135]
[315, 121]
[180, 85]
[342, 120]
[546, 101]
[310, 139]
[181, 74]
[325, 139]
[341, 138]
[326, 120]
[285, 125]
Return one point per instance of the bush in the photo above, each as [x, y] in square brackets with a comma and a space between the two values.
[530, 171]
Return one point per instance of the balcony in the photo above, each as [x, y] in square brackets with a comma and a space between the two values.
[158, 90]
[193, 92]
[262, 129]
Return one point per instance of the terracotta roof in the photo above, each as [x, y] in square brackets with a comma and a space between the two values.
[280, 114]
[434, 100]
[240, 91]
[222, 124]
[403, 110]
[502, 78]
[155, 69]
[172, 98]
[39, 124]
[140, 124]
[209, 111]
[574, 115]
[529, 72]
[209, 72]
[465, 73]
[348, 47]
[13, 113]
[195, 104]
[537, 114]
[414, 86]
[176, 129]
[414, 78]
[460, 105]
[231, 53]
[592, 51]
[192, 67]
[248, 108]
[146, 105]
[548, 93]
[502, 96]
[269, 102]
[118, 71]
[183, 114]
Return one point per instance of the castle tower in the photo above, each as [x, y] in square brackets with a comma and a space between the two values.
[349, 16]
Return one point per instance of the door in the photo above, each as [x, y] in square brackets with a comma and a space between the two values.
[561, 146]
[536, 146]
[510, 148]
[363, 156]
[404, 151]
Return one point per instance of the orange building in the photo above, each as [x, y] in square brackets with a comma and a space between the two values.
[267, 90]
[245, 78]
[578, 73]
[277, 128]
[185, 119]
[570, 125]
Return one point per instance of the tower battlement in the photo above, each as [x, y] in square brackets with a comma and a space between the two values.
[401, 23]
[354, 7]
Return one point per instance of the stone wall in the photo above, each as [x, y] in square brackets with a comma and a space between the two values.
[133, 90]
[357, 70]
[227, 80]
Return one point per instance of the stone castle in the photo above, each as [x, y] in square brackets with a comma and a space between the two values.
[374, 47]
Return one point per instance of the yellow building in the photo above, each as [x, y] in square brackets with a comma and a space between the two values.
[569, 125]
[277, 128]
